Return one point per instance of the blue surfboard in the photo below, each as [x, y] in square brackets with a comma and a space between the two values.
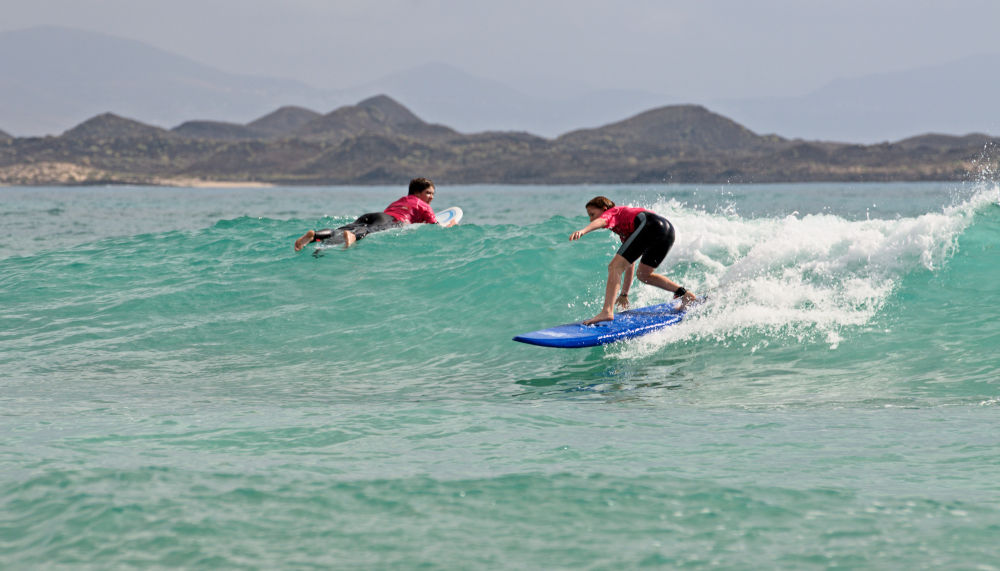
[627, 324]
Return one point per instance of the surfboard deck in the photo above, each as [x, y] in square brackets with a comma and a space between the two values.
[626, 325]
[446, 216]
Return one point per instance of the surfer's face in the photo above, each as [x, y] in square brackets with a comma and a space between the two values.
[427, 194]
[594, 212]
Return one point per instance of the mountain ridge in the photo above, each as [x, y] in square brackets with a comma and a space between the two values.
[380, 141]
[378, 114]
[111, 126]
[53, 78]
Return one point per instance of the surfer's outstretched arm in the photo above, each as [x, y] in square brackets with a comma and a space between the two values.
[594, 225]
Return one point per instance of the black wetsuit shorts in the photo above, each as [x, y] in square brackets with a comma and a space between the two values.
[363, 226]
[652, 239]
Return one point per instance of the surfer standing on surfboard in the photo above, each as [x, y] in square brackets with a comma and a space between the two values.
[413, 208]
[644, 233]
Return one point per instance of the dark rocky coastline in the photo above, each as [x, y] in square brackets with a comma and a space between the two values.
[378, 141]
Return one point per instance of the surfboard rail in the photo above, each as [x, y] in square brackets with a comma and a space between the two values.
[626, 325]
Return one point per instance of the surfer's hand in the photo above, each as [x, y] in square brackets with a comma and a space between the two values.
[687, 298]
[622, 301]
[575, 235]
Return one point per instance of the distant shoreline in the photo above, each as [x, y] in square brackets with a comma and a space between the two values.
[201, 183]
[70, 174]
[378, 141]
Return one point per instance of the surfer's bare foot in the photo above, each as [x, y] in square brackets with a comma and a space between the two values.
[602, 316]
[305, 239]
[349, 238]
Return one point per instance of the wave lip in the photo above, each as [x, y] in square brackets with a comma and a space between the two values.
[803, 277]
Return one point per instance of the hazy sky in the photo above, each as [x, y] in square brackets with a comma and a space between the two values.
[693, 48]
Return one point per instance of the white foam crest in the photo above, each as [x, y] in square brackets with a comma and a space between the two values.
[795, 277]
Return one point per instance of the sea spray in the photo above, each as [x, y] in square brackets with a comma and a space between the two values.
[805, 277]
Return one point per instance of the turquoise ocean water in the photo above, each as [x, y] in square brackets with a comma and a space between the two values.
[178, 388]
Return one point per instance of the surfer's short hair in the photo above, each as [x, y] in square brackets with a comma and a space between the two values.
[420, 184]
[602, 202]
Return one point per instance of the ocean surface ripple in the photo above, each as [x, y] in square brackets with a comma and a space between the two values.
[181, 389]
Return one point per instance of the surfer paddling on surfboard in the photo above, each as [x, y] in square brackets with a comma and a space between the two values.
[413, 208]
[644, 234]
